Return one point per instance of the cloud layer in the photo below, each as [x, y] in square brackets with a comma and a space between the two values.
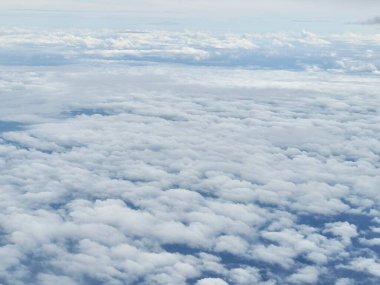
[159, 158]
[352, 53]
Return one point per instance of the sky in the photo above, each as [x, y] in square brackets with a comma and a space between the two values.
[241, 15]
[189, 142]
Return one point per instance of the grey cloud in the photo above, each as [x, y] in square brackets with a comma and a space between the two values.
[372, 21]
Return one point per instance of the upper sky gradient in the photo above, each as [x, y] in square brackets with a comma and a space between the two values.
[241, 15]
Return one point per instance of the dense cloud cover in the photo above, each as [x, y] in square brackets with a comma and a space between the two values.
[169, 158]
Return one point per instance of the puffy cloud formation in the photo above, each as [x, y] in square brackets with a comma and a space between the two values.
[183, 164]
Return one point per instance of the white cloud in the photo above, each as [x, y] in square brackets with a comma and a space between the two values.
[368, 265]
[305, 275]
[232, 244]
[245, 276]
[46, 279]
[211, 281]
[372, 242]
[344, 281]
[345, 230]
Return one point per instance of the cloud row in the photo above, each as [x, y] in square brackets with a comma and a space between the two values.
[352, 53]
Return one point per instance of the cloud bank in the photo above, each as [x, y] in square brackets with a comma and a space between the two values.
[160, 158]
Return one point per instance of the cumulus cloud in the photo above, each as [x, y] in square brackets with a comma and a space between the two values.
[306, 275]
[211, 281]
[177, 166]
[345, 230]
[368, 265]
[344, 281]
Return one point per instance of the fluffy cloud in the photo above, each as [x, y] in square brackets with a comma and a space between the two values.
[368, 265]
[343, 229]
[167, 170]
[306, 275]
[211, 281]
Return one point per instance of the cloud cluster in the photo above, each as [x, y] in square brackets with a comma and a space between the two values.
[147, 172]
